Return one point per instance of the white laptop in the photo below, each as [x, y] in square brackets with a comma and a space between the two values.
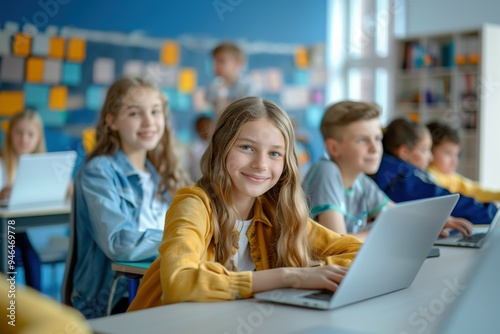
[475, 240]
[476, 308]
[389, 260]
[41, 178]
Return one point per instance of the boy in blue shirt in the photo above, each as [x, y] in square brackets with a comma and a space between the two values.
[402, 174]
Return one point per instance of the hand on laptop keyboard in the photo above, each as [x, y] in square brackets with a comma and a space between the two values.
[461, 225]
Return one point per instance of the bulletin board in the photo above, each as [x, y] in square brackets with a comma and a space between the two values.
[64, 74]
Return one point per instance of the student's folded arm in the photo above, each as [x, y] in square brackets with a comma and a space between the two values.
[188, 271]
[330, 246]
[114, 231]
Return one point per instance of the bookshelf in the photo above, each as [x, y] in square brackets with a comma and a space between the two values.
[455, 77]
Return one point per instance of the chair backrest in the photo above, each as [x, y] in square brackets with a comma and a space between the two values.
[67, 284]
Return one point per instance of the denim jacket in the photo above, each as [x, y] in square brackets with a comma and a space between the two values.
[108, 204]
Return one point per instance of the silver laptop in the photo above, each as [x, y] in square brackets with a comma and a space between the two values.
[391, 257]
[476, 308]
[475, 240]
[41, 178]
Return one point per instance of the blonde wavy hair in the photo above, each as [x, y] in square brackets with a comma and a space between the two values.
[284, 203]
[9, 156]
[163, 157]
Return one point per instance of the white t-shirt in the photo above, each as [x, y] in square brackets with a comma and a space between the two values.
[153, 210]
[242, 259]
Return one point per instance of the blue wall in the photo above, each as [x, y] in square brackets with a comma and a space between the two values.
[290, 21]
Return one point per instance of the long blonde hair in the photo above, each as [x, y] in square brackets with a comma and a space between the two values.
[9, 156]
[284, 203]
[163, 157]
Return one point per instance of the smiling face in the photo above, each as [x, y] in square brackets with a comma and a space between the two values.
[358, 148]
[25, 136]
[446, 156]
[140, 122]
[256, 160]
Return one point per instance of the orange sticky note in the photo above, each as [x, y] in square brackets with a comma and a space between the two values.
[301, 57]
[22, 45]
[56, 47]
[76, 50]
[34, 69]
[187, 80]
[58, 98]
[170, 53]
[11, 102]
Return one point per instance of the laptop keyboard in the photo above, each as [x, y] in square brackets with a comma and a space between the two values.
[323, 295]
[473, 238]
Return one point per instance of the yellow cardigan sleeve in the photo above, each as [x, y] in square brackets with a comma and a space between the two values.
[188, 270]
[27, 311]
[332, 247]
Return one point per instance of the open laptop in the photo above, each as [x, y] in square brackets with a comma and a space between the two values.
[41, 178]
[475, 240]
[475, 309]
[389, 260]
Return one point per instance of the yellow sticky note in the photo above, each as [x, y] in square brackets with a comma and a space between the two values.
[11, 102]
[170, 53]
[56, 47]
[58, 98]
[34, 69]
[76, 50]
[88, 139]
[22, 45]
[187, 80]
[301, 57]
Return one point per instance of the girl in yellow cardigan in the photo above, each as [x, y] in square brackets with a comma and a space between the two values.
[244, 227]
[445, 150]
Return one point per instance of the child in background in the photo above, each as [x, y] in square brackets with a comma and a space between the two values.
[24, 136]
[341, 196]
[122, 193]
[228, 84]
[402, 174]
[203, 126]
[244, 227]
[445, 151]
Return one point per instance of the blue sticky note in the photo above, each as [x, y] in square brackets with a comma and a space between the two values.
[36, 96]
[183, 136]
[53, 118]
[314, 114]
[183, 102]
[301, 77]
[72, 74]
[95, 97]
[171, 95]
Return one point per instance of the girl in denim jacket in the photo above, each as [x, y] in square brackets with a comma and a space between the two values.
[122, 193]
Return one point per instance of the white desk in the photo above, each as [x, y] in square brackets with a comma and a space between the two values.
[418, 309]
[27, 216]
